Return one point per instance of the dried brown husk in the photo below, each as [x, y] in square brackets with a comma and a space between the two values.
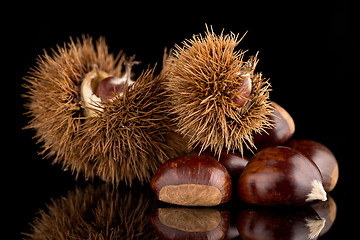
[202, 79]
[96, 213]
[124, 142]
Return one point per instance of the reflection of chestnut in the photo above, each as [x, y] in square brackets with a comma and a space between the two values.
[280, 176]
[283, 130]
[190, 223]
[327, 211]
[323, 158]
[192, 181]
[279, 223]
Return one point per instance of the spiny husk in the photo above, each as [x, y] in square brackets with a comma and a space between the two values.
[126, 141]
[96, 213]
[202, 80]
[132, 135]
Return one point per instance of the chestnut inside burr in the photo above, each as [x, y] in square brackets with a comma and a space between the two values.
[99, 86]
[244, 90]
[109, 87]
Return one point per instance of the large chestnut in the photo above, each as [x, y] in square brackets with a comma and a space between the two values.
[282, 131]
[192, 180]
[322, 157]
[280, 176]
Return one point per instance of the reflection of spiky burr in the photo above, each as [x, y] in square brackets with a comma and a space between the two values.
[92, 117]
[216, 97]
[100, 212]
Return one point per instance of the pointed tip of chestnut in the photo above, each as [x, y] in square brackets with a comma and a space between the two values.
[317, 192]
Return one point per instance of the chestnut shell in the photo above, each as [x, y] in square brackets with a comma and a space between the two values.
[193, 171]
[278, 176]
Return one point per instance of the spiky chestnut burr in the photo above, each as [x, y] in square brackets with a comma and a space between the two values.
[119, 138]
[216, 98]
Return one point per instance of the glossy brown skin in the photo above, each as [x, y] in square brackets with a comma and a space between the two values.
[244, 92]
[276, 223]
[106, 90]
[277, 176]
[234, 163]
[323, 158]
[282, 131]
[167, 232]
[193, 169]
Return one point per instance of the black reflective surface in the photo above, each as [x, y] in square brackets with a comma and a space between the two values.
[309, 50]
[98, 211]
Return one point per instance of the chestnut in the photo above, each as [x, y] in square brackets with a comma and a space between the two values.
[283, 129]
[280, 176]
[108, 87]
[322, 157]
[234, 163]
[190, 223]
[244, 90]
[192, 180]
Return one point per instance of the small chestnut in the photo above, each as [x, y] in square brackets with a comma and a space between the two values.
[244, 90]
[322, 157]
[234, 163]
[282, 131]
[192, 180]
[108, 87]
[98, 86]
[280, 176]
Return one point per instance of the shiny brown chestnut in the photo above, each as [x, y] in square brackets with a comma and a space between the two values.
[322, 157]
[280, 176]
[282, 131]
[190, 223]
[234, 163]
[192, 180]
[244, 90]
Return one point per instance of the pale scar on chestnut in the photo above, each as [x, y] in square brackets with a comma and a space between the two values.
[191, 195]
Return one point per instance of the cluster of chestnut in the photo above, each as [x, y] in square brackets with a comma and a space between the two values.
[283, 171]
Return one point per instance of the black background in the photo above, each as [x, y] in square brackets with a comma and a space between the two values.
[308, 50]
